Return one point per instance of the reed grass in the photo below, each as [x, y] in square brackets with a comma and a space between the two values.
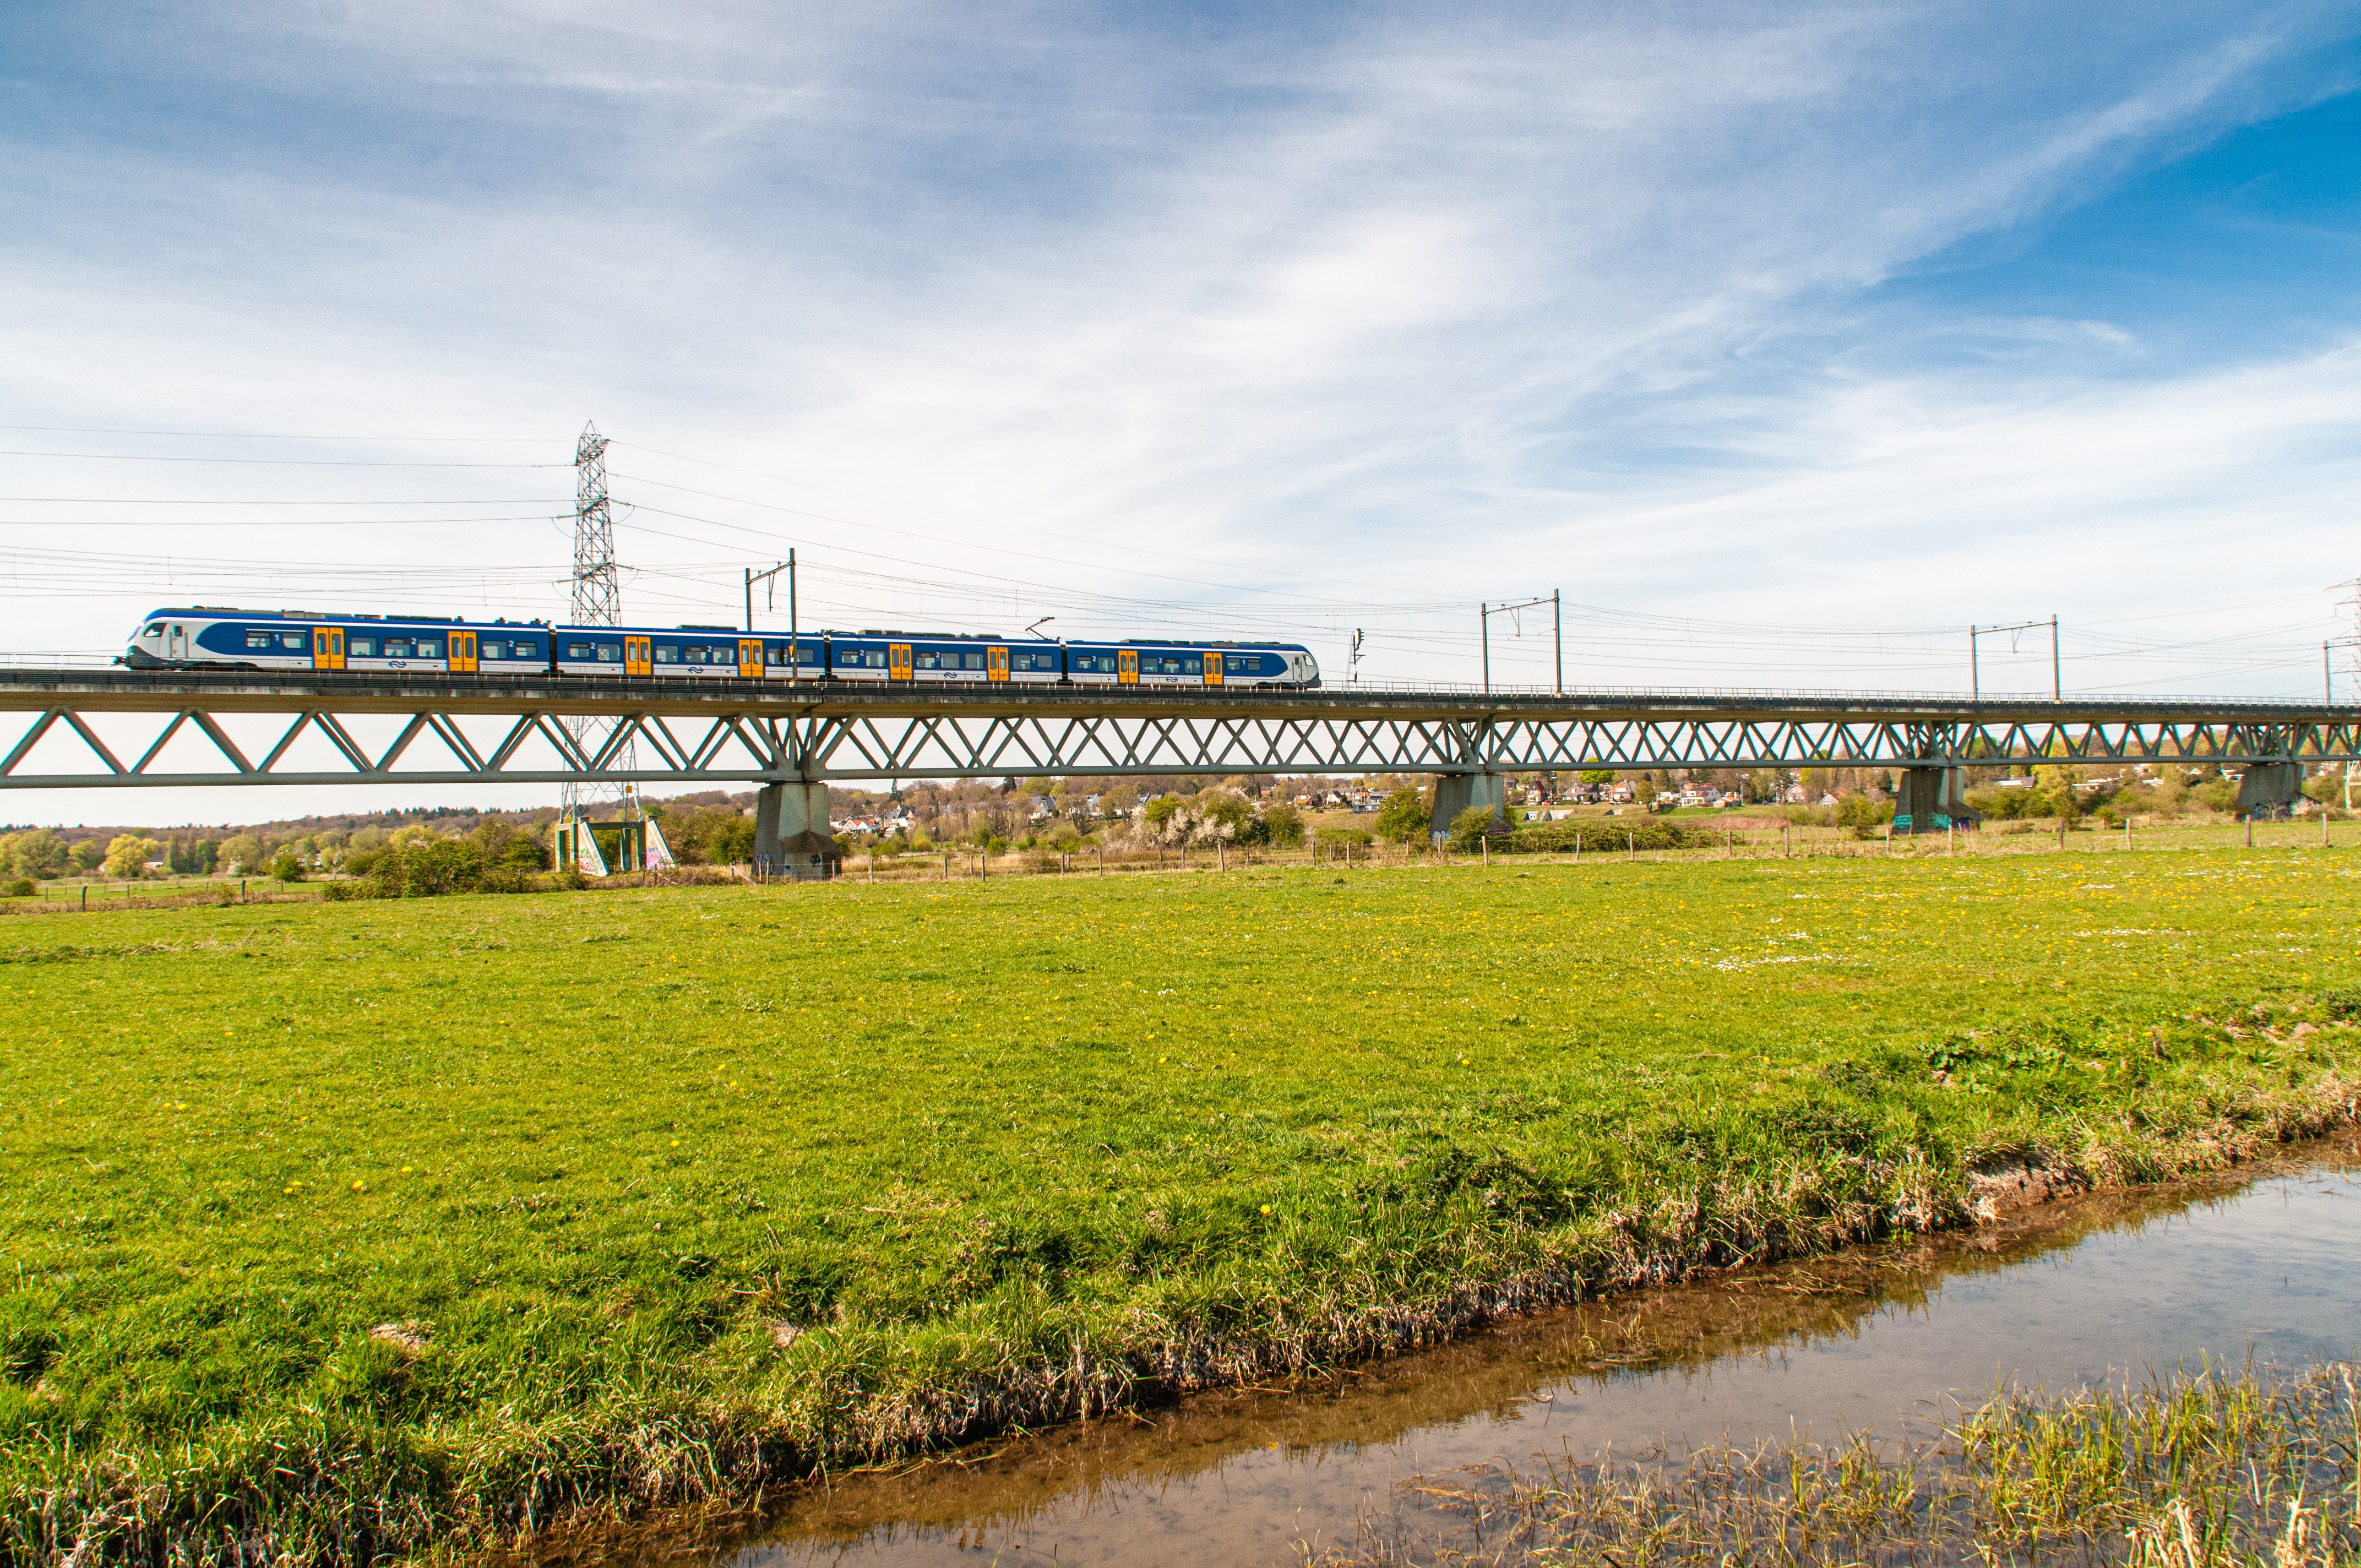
[2197, 1469]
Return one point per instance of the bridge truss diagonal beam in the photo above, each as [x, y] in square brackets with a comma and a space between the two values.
[751, 735]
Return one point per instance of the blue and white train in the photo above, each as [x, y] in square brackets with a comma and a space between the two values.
[212, 638]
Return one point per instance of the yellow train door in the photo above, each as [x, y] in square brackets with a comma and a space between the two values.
[463, 652]
[996, 663]
[750, 658]
[327, 648]
[1213, 669]
[1126, 668]
[639, 656]
[897, 662]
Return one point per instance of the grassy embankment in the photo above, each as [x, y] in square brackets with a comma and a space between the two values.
[369, 1226]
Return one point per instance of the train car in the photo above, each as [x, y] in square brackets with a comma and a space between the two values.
[689, 653]
[945, 658]
[218, 637]
[1139, 663]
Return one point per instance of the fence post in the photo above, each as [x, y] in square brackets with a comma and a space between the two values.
[1486, 845]
[2250, 832]
[1632, 844]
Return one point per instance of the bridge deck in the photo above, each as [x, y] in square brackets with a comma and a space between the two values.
[126, 691]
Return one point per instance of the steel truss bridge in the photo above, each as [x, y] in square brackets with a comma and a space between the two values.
[81, 729]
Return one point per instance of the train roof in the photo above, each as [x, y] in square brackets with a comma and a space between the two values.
[402, 620]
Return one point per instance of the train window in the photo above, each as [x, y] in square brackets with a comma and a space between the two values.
[668, 654]
[875, 659]
[695, 654]
[577, 650]
[1193, 665]
[850, 657]
[975, 662]
[257, 638]
[612, 653]
[155, 630]
[926, 661]
[775, 654]
[523, 651]
[364, 647]
[809, 655]
[1240, 664]
[397, 647]
[430, 647]
[293, 642]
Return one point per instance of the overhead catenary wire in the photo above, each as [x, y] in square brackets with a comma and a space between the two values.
[269, 461]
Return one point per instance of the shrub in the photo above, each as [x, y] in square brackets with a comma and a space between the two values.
[1282, 824]
[1471, 826]
[1595, 837]
[1402, 817]
[285, 867]
[21, 887]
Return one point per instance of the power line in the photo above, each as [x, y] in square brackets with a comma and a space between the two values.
[174, 501]
[253, 435]
[269, 462]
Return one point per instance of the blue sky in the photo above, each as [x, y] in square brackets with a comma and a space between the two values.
[1786, 340]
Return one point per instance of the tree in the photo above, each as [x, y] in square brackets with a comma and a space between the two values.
[1282, 824]
[1402, 817]
[88, 854]
[40, 854]
[287, 866]
[1220, 813]
[1160, 819]
[127, 855]
[242, 852]
[1119, 801]
[1469, 828]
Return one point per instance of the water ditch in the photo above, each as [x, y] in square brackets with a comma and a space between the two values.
[2261, 1266]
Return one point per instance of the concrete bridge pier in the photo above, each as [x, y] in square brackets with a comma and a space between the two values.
[2269, 789]
[1456, 792]
[1930, 799]
[791, 837]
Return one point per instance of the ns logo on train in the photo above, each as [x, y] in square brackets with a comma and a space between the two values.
[212, 638]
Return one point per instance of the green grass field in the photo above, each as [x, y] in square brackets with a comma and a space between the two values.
[367, 1228]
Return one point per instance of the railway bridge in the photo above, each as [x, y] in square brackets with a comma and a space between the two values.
[122, 729]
